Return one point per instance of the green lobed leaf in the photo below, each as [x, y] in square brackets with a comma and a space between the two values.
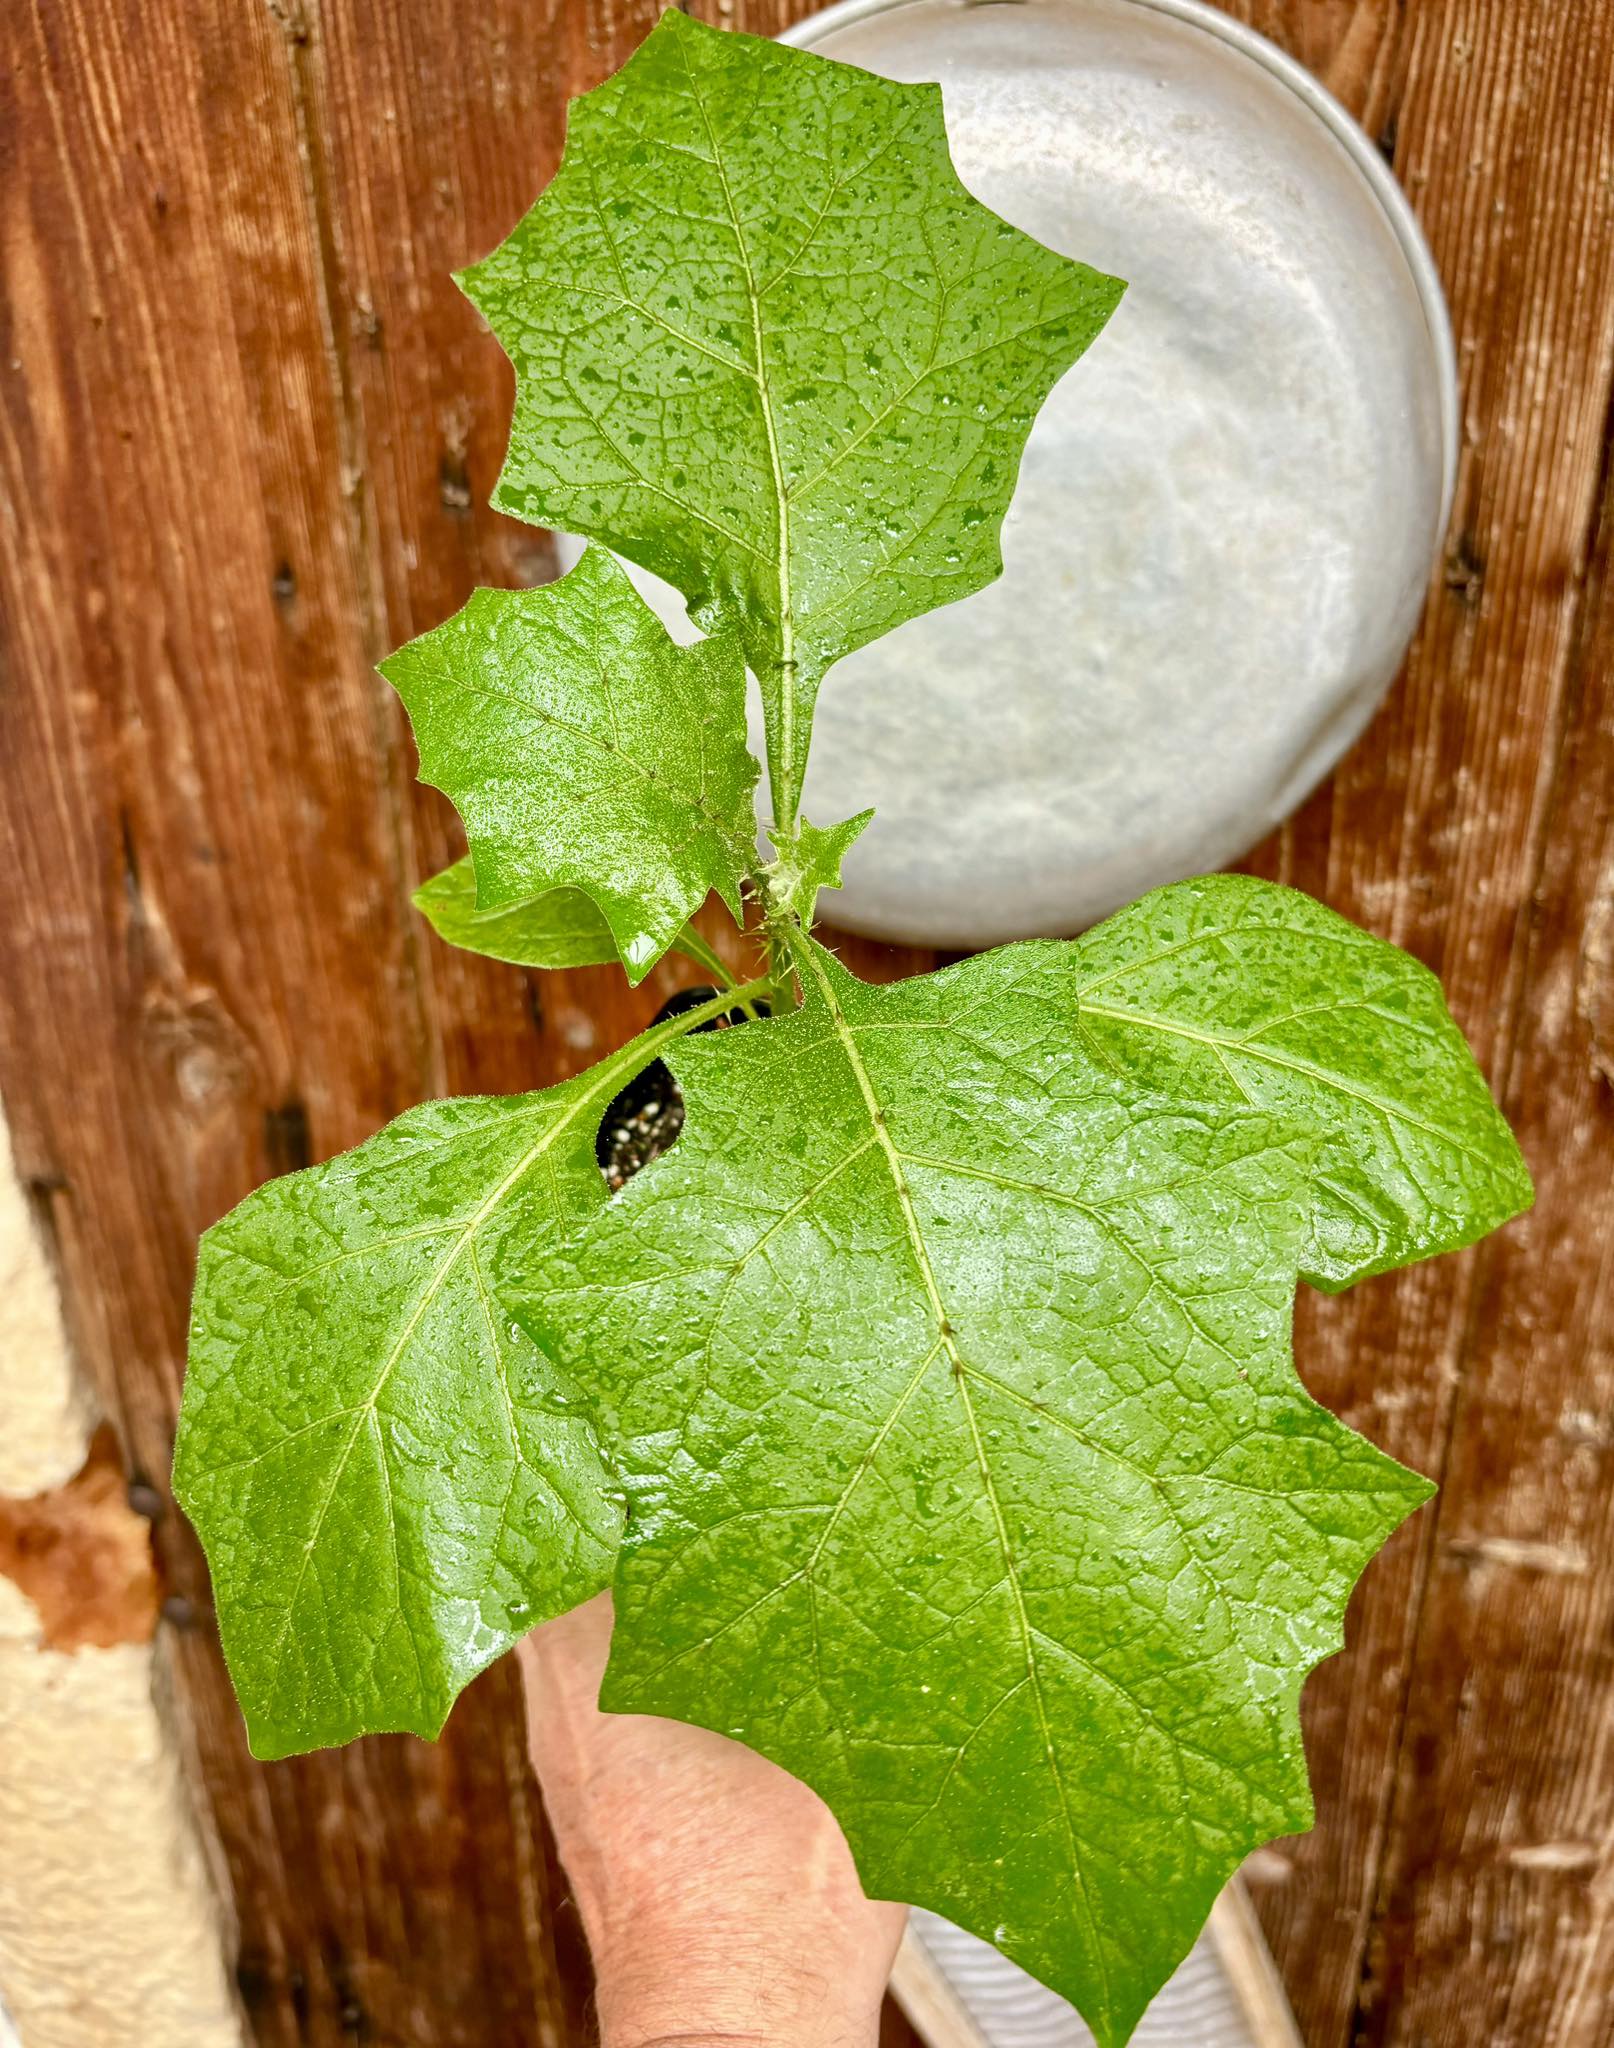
[768, 346]
[1230, 989]
[392, 1485]
[553, 929]
[946, 1365]
[584, 749]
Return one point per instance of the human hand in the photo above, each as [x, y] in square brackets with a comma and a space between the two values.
[718, 1894]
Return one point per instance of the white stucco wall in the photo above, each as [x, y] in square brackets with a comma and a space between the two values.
[111, 1935]
[45, 1413]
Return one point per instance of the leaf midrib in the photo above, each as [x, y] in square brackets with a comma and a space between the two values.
[787, 624]
[807, 959]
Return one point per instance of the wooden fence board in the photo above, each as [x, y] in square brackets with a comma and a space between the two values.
[1500, 1868]
[248, 429]
[1432, 832]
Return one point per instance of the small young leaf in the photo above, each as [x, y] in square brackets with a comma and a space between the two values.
[947, 1369]
[557, 928]
[554, 928]
[767, 345]
[584, 749]
[811, 863]
[1235, 990]
[392, 1484]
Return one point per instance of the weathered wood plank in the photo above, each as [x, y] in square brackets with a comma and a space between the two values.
[1499, 1881]
[209, 969]
[247, 433]
[1432, 831]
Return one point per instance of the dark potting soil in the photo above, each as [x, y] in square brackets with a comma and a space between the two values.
[649, 1113]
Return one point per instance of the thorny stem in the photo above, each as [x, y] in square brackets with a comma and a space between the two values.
[782, 923]
[781, 967]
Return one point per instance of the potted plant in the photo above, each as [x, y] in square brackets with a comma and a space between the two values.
[929, 1404]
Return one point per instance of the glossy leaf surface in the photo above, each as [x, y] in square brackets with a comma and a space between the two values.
[1232, 990]
[390, 1482]
[767, 345]
[584, 749]
[552, 928]
[948, 1372]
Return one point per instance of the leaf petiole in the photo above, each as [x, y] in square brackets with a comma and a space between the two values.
[693, 947]
[741, 996]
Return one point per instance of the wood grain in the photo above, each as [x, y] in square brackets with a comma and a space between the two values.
[1500, 1867]
[1433, 833]
[212, 974]
[248, 429]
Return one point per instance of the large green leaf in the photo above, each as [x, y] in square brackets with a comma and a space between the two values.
[1229, 989]
[947, 1370]
[768, 346]
[584, 749]
[391, 1483]
[943, 1365]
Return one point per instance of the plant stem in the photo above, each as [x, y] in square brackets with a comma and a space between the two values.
[784, 835]
[732, 998]
[693, 947]
[781, 967]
